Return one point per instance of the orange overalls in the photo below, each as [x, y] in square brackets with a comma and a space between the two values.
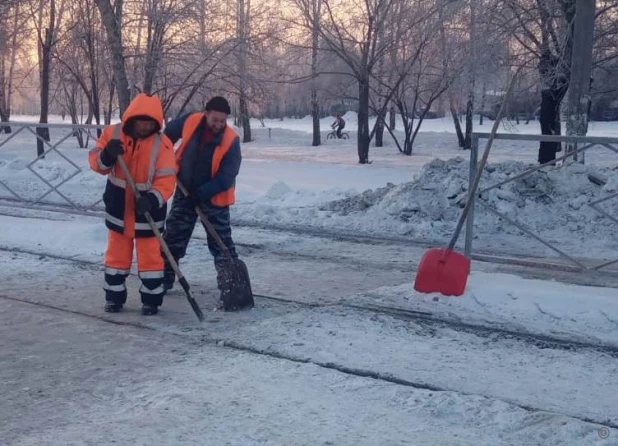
[152, 165]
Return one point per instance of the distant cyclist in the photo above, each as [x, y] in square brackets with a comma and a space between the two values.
[339, 124]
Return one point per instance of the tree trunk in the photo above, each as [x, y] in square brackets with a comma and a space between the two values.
[363, 140]
[315, 106]
[380, 128]
[203, 26]
[71, 100]
[242, 68]
[460, 136]
[469, 115]
[6, 96]
[382, 104]
[409, 130]
[46, 53]
[3, 94]
[392, 117]
[43, 132]
[138, 48]
[112, 23]
[244, 118]
[554, 85]
[110, 104]
[471, 77]
[95, 100]
[154, 47]
[555, 73]
[482, 106]
[550, 123]
[315, 113]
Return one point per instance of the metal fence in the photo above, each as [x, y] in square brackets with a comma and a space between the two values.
[569, 262]
[61, 145]
[79, 190]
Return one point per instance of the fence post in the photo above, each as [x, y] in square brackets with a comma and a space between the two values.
[474, 154]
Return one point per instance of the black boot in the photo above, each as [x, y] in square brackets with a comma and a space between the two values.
[112, 307]
[149, 310]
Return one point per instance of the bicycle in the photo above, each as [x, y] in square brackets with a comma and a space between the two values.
[333, 135]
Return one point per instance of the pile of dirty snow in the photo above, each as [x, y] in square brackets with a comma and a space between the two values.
[551, 202]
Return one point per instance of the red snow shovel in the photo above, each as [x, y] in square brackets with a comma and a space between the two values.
[444, 270]
[166, 250]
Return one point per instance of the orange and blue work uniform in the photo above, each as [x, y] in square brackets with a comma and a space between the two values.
[152, 165]
[208, 165]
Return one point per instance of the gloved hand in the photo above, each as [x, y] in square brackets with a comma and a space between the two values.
[111, 152]
[205, 192]
[146, 203]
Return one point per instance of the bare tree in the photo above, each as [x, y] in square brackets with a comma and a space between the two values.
[354, 32]
[315, 42]
[415, 77]
[424, 84]
[544, 28]
[82, 54]
[360, 49]
[472, 61]
[9, 32]
[162, 16]
[244, 10]
[112, 20]
[46, 37]
[449, 64]
[72, 102]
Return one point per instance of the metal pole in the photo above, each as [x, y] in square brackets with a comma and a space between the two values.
[474, 154]
[581, 66]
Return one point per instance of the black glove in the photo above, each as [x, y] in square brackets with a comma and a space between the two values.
[111, 152]
[146, 203]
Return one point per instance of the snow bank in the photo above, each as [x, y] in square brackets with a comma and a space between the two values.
[552, 202]
[544, 200]
[570, 312]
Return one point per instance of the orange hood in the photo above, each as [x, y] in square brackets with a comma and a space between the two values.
[144, 105]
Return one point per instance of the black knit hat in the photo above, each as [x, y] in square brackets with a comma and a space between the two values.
[219, 103]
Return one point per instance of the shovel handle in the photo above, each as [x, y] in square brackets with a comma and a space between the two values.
[181, 279]
[209, 227]
[481, 166]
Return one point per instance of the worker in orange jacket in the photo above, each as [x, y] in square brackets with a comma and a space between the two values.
[209, 159]
[149, 156]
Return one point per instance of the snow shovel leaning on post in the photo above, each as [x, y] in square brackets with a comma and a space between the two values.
[166, 250]
[234, 271]
[444, 270]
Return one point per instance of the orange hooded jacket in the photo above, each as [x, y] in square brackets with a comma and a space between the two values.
[151, 163]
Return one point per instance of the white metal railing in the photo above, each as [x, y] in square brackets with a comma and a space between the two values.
[581, 144]
[52, 146]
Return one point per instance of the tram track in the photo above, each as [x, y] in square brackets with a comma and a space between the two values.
[492, 332]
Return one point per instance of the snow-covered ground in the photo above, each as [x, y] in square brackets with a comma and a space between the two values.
[174, 383]
[331, 372]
